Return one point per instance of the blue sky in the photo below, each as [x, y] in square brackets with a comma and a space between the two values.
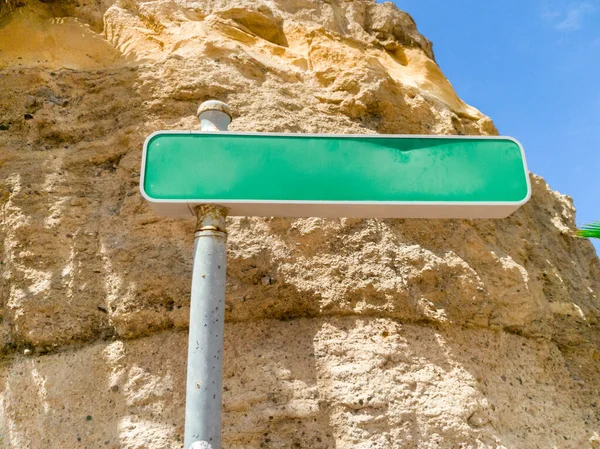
[533, 66]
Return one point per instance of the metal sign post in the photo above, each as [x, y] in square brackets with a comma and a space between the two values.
[207, 311]
[210, 174]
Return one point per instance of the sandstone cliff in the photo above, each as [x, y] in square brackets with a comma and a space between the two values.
[341, 333]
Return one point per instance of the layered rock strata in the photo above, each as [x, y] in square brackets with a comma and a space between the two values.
[340, 333]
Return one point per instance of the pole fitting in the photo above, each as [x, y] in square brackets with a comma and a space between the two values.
[211, 217]
[214, 115]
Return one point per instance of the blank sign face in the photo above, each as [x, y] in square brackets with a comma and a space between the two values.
[300, 175]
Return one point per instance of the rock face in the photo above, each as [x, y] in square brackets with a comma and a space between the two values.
[340, 333]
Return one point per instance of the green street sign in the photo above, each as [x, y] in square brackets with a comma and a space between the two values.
[306, 175]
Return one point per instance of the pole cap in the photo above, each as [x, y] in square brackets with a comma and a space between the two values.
[214, 105]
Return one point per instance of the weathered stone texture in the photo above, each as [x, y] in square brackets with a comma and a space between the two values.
[340, 333]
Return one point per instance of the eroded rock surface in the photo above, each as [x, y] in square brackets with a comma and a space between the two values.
[340, 333]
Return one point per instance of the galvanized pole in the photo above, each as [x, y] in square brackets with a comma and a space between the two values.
[207, 311]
